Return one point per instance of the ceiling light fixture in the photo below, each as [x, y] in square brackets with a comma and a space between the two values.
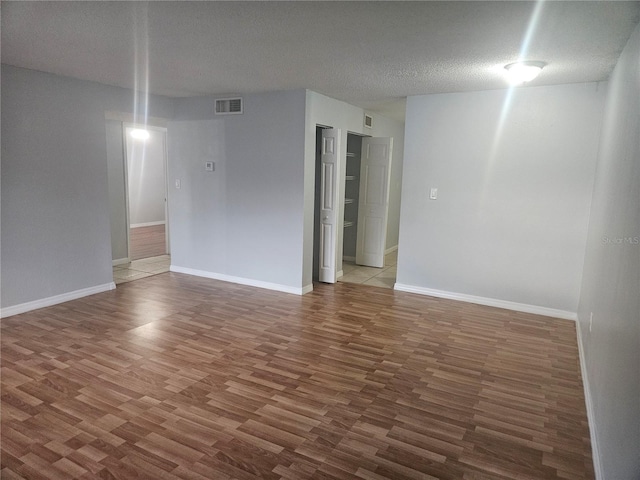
[523, 72]
[139, 134]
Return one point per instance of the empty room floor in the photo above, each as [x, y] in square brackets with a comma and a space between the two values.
[180, 377]
[377, 277]
[147, 241]
[138, 269]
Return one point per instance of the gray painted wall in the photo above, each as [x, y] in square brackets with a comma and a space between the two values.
[515, 174]
[55, 203]
[117, 200]
[146, 177]
[246, 218]
[611, 280]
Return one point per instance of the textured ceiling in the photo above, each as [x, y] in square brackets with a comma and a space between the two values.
[372, 54]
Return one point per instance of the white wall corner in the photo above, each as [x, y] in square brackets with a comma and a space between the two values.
[390, 250]
[120, 261]
[241, 281]
[595, 451]
[56, 299]
[147, 224]
[490, 302]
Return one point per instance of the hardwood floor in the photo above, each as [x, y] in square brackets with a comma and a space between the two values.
[147, 242]
[175, 376]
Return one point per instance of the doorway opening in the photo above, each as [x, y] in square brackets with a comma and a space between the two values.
[146, 172]
[366, 270]
[350, 233]
[145, 215]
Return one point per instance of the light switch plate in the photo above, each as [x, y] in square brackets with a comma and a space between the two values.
[433, 193]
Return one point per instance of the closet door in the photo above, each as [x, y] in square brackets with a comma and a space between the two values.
[329, 204]
[375, 175]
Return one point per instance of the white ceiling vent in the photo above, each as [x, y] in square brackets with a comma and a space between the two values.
[229, 106]
[368, 121]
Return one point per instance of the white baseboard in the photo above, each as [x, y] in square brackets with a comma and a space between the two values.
[120, 261]
[348, 259]
[47, 302]
[340, 274]
[491, 302]
[147, 224]
[595, 451]
[391, 249]
[242, 281]
[307, 289]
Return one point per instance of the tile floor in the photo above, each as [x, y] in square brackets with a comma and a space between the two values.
[378, 277]
[141, 268]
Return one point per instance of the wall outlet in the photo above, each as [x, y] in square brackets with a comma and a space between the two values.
[209, 166]
[590, 321]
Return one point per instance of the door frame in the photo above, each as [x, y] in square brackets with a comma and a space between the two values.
[365, 210]
[339, 221]
[165, 161]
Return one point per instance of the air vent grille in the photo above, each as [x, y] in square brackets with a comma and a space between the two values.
[368, 121]
[229, 106]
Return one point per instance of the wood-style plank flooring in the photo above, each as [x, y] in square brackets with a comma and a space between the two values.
[147, 242]
[178, 377]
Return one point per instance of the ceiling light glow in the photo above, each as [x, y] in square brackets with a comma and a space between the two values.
[139, 134]
[523, 72]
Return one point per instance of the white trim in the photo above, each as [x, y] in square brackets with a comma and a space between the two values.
[491, 302]
[307, 289]
[147, 224]
[348, 259]
[47, 302]
[120, 261]
[242, 281]
[155, 123]
[391, 249]
[595, 451]
[340, 274]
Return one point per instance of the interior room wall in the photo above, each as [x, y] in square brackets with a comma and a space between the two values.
[323, 110]
[244, 221]
[514, 170]
[146, 178]
[611, 279]
[117, 193]
[55, 203]
[115, 122]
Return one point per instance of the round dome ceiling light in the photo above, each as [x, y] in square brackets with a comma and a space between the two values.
[523, 72]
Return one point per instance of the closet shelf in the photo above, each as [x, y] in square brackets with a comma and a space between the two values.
[348, 200]
[350, 177]
[348, 224]
[349, 154]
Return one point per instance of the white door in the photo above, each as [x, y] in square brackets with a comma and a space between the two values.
[329, 204]
[375, 175]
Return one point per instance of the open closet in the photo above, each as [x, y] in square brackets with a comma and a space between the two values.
[354, 230]
[351, 197]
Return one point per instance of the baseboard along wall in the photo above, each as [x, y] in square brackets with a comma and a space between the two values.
[242, 281]
[593, 433]
[54, 300]
[490, 302]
